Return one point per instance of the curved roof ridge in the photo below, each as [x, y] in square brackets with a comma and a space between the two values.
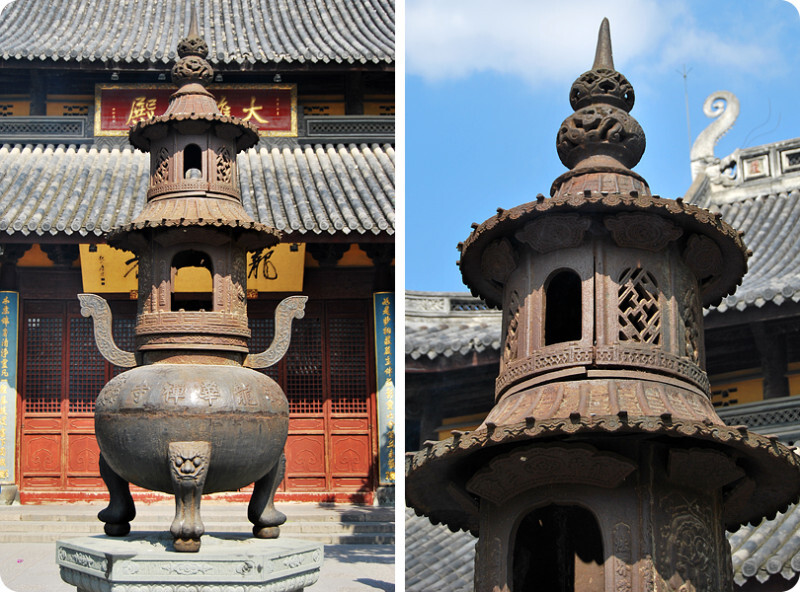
[275, 31]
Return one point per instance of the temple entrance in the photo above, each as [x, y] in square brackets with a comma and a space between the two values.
[558, 549]
[328, 376]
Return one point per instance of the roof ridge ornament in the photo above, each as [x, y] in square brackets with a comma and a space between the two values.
[600, 137]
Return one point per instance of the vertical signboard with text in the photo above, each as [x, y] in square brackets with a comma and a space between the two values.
[9, 321]
[383, 303]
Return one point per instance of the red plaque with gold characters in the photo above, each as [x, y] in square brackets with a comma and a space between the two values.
[271, 107]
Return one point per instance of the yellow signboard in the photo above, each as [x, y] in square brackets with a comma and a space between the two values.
[275, 269]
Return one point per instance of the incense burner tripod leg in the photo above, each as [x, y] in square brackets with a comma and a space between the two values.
[188, 462]
[120, 510]
[261, 510]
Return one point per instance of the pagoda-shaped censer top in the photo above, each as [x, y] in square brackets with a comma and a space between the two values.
[602, 420]
[194, 147]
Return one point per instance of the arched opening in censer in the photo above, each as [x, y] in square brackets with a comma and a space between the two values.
[563, 308]
[193, 269]
[558, 549]
[192, 162]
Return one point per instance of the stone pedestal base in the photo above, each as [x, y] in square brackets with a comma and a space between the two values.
[147, 562]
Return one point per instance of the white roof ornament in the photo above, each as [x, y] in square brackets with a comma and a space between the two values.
[723, 106]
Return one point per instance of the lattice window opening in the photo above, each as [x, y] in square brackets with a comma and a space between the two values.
[348, 365]
[639, 311]
[87, 368]
[304, 363]
[43, 364]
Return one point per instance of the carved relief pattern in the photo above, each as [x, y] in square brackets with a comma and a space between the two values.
[162, 285]
[686, 547]
[139, 393]
[189, 460]
[558, 231]
[550, 359]
[174, 393]
[692, 322]
[510, 348]
[243, 396]
[702, 469]
[602, 397]
[602, 85]
[161, 173]
[82, 559]
[224, 165]
[554, 359]
[239, 281]
[617, 132]
[639, 313]
[209, 392]
[289, 309]
[145, 284]
[623, 573]
[703, 257]
[533, 466]
[658, 359]
[642, 231]
[499, 260]
[97, 307]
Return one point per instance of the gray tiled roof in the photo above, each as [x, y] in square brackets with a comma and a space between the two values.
[434, 555]
[770, 223]
[311, 189]
[237, 31]
[772, 547]
[437, 559]
[449, 323]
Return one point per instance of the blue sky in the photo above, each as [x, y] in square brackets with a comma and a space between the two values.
[487, 88]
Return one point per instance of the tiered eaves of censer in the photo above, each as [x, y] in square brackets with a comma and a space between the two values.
[193, 417]
[602, 465]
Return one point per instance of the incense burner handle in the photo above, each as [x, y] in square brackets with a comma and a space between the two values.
[289, 309]
[95, 306]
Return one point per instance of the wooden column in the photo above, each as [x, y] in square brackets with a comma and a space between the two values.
[771, 346]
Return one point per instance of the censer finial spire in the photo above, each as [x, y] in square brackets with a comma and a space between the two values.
[603, 56]
[193, 32]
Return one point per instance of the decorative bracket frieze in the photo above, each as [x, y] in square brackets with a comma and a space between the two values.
[535, 466]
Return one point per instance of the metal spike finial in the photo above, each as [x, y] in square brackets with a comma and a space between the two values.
[193, 44]
[603, 56]
[193, 32]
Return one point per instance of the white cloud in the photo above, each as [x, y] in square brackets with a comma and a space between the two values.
[546, 41]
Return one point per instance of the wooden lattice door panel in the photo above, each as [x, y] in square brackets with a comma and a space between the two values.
[62, 374]
[349, 363]
[326, 374]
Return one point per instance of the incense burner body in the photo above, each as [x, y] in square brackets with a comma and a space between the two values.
[242, 414]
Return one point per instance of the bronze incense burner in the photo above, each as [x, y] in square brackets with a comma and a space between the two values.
[192, 416]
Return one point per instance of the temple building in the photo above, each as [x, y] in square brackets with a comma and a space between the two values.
[318, 82]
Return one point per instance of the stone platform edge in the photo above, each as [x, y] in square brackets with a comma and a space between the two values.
[147, 562]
